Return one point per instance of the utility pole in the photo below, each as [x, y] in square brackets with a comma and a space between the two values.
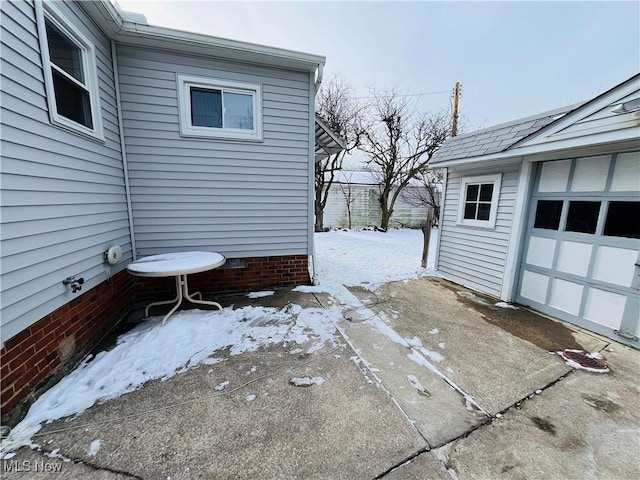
[456, 95]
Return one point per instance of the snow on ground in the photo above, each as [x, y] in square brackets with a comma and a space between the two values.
[94, 448]
[150, 351]
[221, 386]
[266, 293]
[506, 305]
[415, 383]
[368, 257]
[192, 337]
[306, 381]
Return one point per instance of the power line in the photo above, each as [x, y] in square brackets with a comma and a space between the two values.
[406, 95]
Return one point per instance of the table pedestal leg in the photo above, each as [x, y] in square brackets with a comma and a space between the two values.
[165, 302]
[185, 286]
[182, 292]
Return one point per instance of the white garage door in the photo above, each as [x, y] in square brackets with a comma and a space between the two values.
[580, 260]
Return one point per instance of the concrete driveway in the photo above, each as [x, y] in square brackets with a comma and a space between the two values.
[425, 380]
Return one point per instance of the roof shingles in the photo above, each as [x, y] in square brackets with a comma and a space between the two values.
[495, 139]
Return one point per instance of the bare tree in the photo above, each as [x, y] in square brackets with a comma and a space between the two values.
[349, 194]
[338, 109]
[399, 143]
[427, 192]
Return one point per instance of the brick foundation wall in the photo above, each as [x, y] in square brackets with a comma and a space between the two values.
[30, 358]
[259, 273]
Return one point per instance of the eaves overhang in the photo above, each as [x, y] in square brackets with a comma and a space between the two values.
[125, 31]
[327, 141]
[592, 145]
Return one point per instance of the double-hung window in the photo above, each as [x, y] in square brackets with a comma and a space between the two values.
[219, 109]
[478, 205]
[69, 72]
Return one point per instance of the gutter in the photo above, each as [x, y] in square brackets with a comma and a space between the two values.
[208, 41]
[121, 23]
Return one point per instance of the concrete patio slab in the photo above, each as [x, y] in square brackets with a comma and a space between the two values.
[474, 343]
[425, 466]
[185, 428]
[259, 425]
[585, 426]
[440, 413]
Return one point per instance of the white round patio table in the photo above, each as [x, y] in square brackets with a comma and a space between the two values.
[178, 265]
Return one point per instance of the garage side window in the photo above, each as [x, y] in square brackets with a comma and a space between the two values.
[479, 201]
[219, 109]
[70, 73]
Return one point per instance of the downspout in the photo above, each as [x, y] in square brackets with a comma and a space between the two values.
[319, 74]
[123, 150]
[314, 84]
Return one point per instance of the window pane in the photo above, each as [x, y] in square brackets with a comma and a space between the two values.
[472, 193]
[484, 209]
[64, 53]
[486, 192]
[470, 211]
[238, 110]
[548, 214]
[623, 220]
[206, 108]
[72, 101]
[582, 217]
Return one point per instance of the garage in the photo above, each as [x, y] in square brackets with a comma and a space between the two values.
[544, 211]
[580, 260]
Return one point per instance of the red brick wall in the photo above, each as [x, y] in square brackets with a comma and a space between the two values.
[259, 273]
[33, 355]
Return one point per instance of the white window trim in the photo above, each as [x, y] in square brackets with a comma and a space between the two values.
[185, 82]
[496, 179]
[48, 10]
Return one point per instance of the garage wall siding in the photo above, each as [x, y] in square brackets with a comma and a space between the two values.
[242, 199]
[475, 257]
[63, 196]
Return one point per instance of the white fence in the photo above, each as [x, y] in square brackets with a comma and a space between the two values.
[365, 208]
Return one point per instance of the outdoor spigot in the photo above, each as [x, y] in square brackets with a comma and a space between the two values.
[76, 285]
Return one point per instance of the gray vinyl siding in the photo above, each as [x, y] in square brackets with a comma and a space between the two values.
[470, 256]
[63, 197]
[242, 199]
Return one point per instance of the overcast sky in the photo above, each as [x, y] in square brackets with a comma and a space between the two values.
[513, 58]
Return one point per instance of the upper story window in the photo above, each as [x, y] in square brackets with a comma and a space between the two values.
[478, 205]
[219, 109]
[70, 73]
